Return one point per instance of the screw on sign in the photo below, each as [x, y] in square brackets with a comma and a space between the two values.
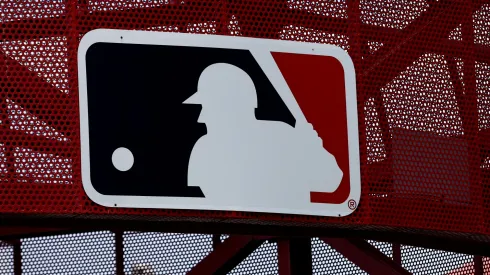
[252, 125]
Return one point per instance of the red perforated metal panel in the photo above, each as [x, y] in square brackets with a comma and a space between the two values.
[422, 69]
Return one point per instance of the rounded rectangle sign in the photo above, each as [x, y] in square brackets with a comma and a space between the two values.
[208, 122]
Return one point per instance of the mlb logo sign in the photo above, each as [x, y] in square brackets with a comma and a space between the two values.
[206, 122]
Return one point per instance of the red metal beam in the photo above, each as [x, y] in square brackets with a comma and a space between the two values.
[478, 262]
[119, 243]
[33, 28]
[9, 159]
[383, 124]
[17, 138]
[267, 20]
[359, 49]
[402, 50]
[227, 255]
[32, 92]
[484, 135]
[409, 33]
[458, 88]
[216, 240]
[471, 107]
[457, 49]
[6, 231]
[306, 19]
[356, 41]
[17, 257]
[466, 98]
[284, 257]
[224, 19]
[365, 256]
[484, 138]
[294, 256]
[57, 26]
[164, 15]
[397, 253]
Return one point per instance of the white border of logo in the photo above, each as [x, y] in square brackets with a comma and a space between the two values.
[260, 49]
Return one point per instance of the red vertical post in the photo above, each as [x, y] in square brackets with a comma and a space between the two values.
[478, 261]
[224, 20]
[7, 147]
[119, 252]
[359, 49]
[471, 109]
[356, 50]
[294, 256]
[283, 257]
[397, 253]
[72, 36]
[4, 117]
[17, 245]
[76, 9]
[357, 45]
[216, 240]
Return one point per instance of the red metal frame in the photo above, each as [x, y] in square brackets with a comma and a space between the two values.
[17, 245]
[431, 24]
[471, 117]
[397, 253]
[216, 240]
[380, 68]
[294, 256]
[478, 265]
[50, 97]
[22, 230]
[366, 256]
[284, 257]
[395, 42]
[119, 242]
[227, 255]
[409, 40]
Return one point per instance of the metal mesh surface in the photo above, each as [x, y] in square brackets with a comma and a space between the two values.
[422, 69]
[6, 259]
[434, 261]
[327, 260]
[87, 253]
[165, 253]
[170, 253]
[262, 261]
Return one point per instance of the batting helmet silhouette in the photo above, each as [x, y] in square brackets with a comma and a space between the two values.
[223, 83]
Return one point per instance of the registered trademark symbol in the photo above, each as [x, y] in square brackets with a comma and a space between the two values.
[352, 204]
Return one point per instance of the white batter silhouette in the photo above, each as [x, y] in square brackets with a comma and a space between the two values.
[242, 161]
